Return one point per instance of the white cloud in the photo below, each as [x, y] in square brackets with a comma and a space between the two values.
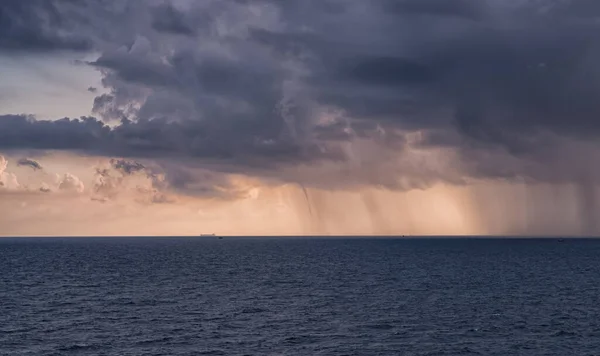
[7, 180]
[70, 183]
[3, 164]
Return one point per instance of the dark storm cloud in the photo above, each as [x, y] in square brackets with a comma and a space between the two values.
[469, 9]
[36, 25]
[248, 82]
[506, 82]
[23, 132]
[388, 71]
[166, 18]
[103, 106]
[575, 9]
[132, 69]
[154, 139]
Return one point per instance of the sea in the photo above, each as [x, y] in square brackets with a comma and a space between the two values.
[299, 296]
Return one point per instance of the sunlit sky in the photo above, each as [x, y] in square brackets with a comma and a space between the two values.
[329, 117]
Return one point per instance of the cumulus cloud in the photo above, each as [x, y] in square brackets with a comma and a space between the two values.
[124, 178]
[400, 94]
[7, 180]
[70, 183]
[3, 164]
[115, 180]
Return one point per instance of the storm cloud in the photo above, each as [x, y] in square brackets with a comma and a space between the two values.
[158, 138]
[37, 26]
[507, 90]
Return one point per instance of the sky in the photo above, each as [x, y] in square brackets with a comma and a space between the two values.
[313, 117]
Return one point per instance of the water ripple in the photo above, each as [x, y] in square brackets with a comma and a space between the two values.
[281, 296]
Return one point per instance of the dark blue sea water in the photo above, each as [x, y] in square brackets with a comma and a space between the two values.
[299, 296]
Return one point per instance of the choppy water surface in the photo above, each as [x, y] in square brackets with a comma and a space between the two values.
[292, 296]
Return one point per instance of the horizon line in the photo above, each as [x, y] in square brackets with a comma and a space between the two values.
[317, 236]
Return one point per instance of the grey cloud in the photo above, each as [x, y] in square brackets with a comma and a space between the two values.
[24, 132]
[575, 9]
[167, 18]
[134, 69]
[127, 167]
[37, 25]
[388, 71]
[104, 105]
[498, 83]
[468, 9]
[28, 162]
[156, 138]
